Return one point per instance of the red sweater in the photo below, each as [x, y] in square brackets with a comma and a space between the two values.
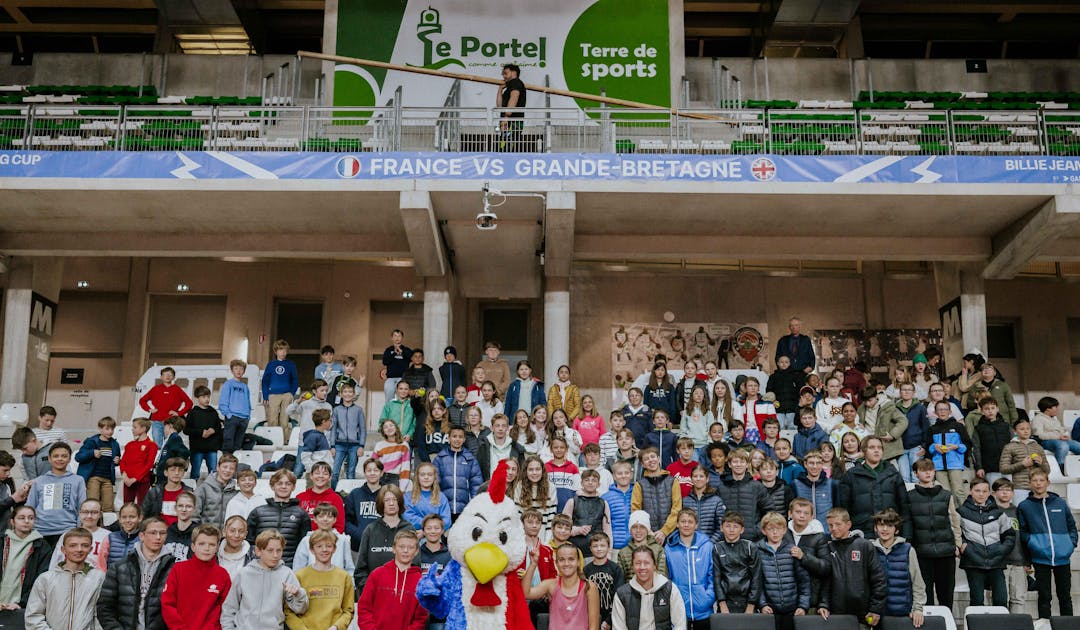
[309, 500]
[681, 473]
[389, 600]
[138, 459]
[165, 399]
[193, 595]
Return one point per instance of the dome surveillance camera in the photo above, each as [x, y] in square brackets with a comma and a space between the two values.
[486, 220]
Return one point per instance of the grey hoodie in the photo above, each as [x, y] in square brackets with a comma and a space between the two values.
[146, 568]
[252, 603]
[678, 609]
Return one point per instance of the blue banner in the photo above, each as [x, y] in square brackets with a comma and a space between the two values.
[920, 169]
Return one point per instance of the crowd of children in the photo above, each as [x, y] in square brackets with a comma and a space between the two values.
[690, 500]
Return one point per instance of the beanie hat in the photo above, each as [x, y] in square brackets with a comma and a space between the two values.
[640, 517]
[450, 350]
[919, 358]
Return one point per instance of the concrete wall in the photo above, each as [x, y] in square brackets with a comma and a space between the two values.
[184, 75]
[836, 79]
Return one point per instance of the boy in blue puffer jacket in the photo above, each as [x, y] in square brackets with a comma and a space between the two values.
[1048, 531]
[690, 566]
[809, 435]
[459, 472]
[785, 583]
[948, 443]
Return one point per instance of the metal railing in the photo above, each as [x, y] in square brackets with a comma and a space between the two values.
[540, 130]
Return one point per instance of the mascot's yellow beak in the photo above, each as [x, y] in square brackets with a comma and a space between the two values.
[485, 560]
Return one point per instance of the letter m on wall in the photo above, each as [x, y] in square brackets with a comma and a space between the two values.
[42, 315]
[951, 324]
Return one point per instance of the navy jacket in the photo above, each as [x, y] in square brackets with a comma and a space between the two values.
[452, 375]
[1048, 529]
[513, 392]
[785, 583]
[803, 354]
[359, 513]
[90, 466]
[639, 423]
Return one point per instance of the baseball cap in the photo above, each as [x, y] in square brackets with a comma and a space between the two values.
[806, 389]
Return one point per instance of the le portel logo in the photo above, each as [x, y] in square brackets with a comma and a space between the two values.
[439, 53]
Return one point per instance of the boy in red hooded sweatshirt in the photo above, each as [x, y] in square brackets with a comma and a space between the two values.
[389, 598]
[196, 588]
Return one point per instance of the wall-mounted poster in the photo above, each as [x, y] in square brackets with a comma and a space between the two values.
[882, 350]
[734, 346]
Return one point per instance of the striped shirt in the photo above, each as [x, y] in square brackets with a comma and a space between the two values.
[395, 458]
[50, 436]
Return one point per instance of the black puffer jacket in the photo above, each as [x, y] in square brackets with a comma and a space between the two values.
[747, 497]
[857, 585]
[785, 583]
[815, 547]
[931, 522]
[118, 603]
[736, 573]
[778, 497]
[865, 492]
[990, 439]
[287, 517]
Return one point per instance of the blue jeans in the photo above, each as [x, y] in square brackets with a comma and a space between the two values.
[157, 432]
[197, 459]
[1061, 449]
[787, 420]
[298, 469]
[233, 437]
[346, 452]
[905, 462]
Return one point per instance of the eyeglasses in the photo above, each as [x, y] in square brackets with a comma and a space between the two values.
[89, 512]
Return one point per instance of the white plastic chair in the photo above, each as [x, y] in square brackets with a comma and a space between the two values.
[984, 610]
[123, 435]
[1055, 470]
[294, 439]
[278, 454]
[301, 485]
[941, 611]
[1074, 497]
[255, 459]
[263, 489]
[274, 434]
[348, 485]
[108, 518]
[1072, 466]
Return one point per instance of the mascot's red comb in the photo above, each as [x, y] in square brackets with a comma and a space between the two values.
[497, 486]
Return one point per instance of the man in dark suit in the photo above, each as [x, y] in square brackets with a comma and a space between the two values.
[797, 347]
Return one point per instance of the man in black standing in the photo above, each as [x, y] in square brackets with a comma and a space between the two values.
[797, 347]
[511, 97]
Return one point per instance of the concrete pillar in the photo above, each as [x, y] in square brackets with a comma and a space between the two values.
[556, 326]
[438, 322]
[30, 303]
[961, 295]
[133, 360]
[873, 276]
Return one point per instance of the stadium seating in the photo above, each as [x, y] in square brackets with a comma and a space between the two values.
[737, 621]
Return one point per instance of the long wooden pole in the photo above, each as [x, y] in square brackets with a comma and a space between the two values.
[490, 81]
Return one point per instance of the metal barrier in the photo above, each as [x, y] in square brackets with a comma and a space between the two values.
[540, 130]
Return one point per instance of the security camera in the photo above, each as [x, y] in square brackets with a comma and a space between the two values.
[487, 220]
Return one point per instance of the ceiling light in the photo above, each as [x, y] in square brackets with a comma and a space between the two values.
[182, 288]
[83, 284]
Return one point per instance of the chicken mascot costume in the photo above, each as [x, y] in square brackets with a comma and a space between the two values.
[480, 589]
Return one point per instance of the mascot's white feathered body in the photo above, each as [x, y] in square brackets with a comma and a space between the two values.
[480, 589]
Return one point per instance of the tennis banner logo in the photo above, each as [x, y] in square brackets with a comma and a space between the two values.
[348, 167]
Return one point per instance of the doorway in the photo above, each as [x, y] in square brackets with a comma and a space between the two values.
[508, 324]
[300, 322]
[385, 317]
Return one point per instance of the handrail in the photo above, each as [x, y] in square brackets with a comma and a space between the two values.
[551, 129]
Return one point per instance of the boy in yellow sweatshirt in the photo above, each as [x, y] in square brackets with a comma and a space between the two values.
[330, 589]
